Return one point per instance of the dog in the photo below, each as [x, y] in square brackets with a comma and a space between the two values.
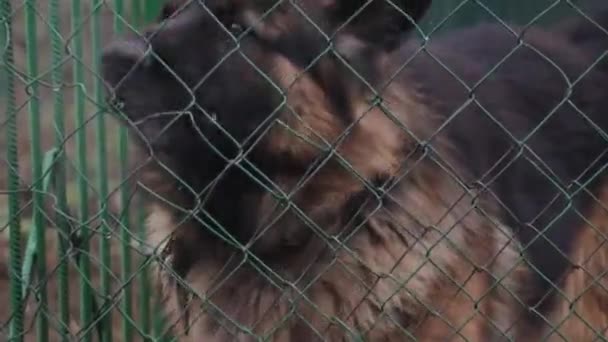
[318, 171]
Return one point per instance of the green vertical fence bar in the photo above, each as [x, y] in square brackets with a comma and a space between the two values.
[136, 11]
[63, 229]
[102, 177]
[14, 220]
[144, 282]
[86, 302]
[126, 269]
[159, 321]
[149, 11]
[42, 327]
[125, 236]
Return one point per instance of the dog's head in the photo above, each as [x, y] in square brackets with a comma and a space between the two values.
[250, 102]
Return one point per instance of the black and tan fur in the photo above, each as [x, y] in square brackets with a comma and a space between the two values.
[442, 206]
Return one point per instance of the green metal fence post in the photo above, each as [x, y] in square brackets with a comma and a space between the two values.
[63, 229]
[125, 236]
[151, 10]
[86, 303]
[14, 218]
[102, 178]
[42, 327]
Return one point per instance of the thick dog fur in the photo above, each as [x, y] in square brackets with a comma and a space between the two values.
[383, 189]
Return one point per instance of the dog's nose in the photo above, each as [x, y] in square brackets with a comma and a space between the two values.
[120, 58]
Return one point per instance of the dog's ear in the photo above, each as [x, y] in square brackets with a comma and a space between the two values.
[379, 22]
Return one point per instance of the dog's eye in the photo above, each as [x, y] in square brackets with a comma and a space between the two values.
[166, 13]
[236, 29]
[168, 10]
[228, 17]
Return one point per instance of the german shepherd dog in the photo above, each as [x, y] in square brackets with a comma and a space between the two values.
[319, 172]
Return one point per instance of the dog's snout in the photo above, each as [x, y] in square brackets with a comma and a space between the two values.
[120, 58]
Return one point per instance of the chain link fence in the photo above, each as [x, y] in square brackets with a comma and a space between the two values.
[73, 261]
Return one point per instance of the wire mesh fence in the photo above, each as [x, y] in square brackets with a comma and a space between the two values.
[75, 259]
